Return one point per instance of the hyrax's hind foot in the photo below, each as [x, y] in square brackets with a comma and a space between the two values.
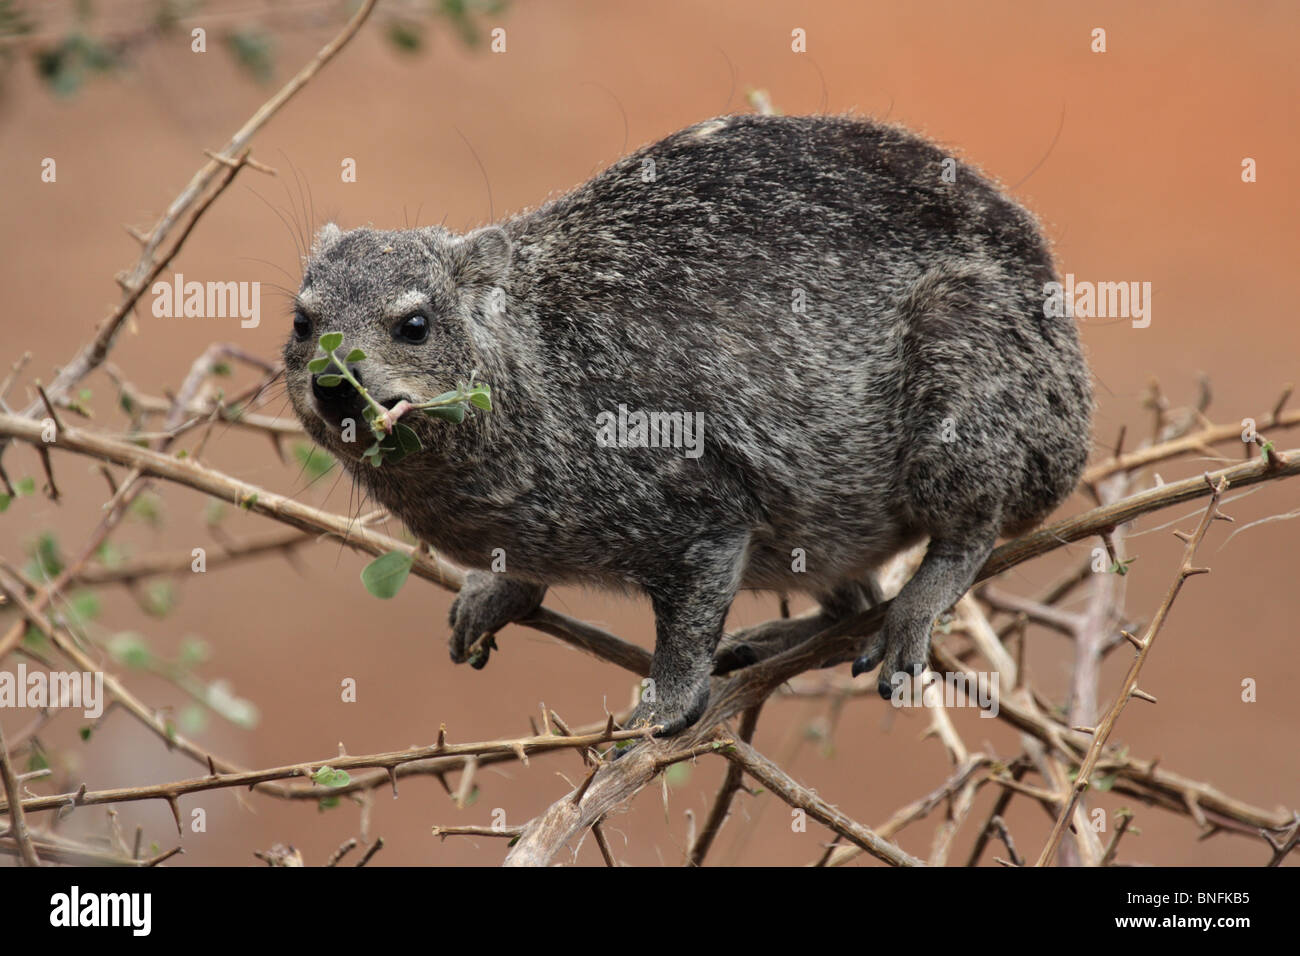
[903, 645]
[486, 603]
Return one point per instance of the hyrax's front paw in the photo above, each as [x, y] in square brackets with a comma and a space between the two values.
[673, 707]
[486, 603]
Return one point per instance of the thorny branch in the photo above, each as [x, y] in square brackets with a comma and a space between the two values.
[221, 168]
[1130, 689]
[771, 673]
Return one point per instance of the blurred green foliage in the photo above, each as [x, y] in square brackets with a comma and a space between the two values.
[67, 57]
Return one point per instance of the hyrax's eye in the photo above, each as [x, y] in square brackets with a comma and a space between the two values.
[414, 328]
[301, 325]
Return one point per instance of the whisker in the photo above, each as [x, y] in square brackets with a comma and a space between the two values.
[293, 234]
[482, 169]
[273, 265]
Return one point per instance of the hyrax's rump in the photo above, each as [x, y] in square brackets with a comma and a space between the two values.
[765, 352]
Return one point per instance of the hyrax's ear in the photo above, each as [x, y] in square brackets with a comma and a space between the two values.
[483, 257]
[326, 236]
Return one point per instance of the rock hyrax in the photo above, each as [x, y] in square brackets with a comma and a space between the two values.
[764, 352]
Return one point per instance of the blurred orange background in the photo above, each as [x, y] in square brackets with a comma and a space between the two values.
[1142, 183]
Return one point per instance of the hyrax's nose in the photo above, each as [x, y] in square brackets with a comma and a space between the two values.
[340, 400]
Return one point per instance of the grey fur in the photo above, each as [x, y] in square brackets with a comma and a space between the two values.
[921, 393]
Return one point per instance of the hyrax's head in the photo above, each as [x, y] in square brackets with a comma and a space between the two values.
[418, 303]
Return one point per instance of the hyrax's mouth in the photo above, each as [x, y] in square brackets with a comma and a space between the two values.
[375, 430]
[384, 428]
[340, 404]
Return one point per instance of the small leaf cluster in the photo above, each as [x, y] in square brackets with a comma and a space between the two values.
[393, 439]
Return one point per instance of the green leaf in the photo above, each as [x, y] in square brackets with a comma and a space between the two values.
[84, 733]
[407, 440]
[331, 340]
[315, 460]
[481, 398]
[221, 698]
[678, 774]
[1105, 782]
[328, 381]
[327, 803]
[148, 508]
[130, 648]
[84, 606]
[448, 413]
[4, 502]
[159, 598]
[110, 555]
[406, 35]
[194, 719]
[384, 576]
[36, 760]
[318, 365]
[254, 51]
[329, 777]
[194, 651]
[46, 558]
[356, 355]
[26, 486]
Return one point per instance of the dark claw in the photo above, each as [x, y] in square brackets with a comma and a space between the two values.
[482, 650]
[867, 662]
